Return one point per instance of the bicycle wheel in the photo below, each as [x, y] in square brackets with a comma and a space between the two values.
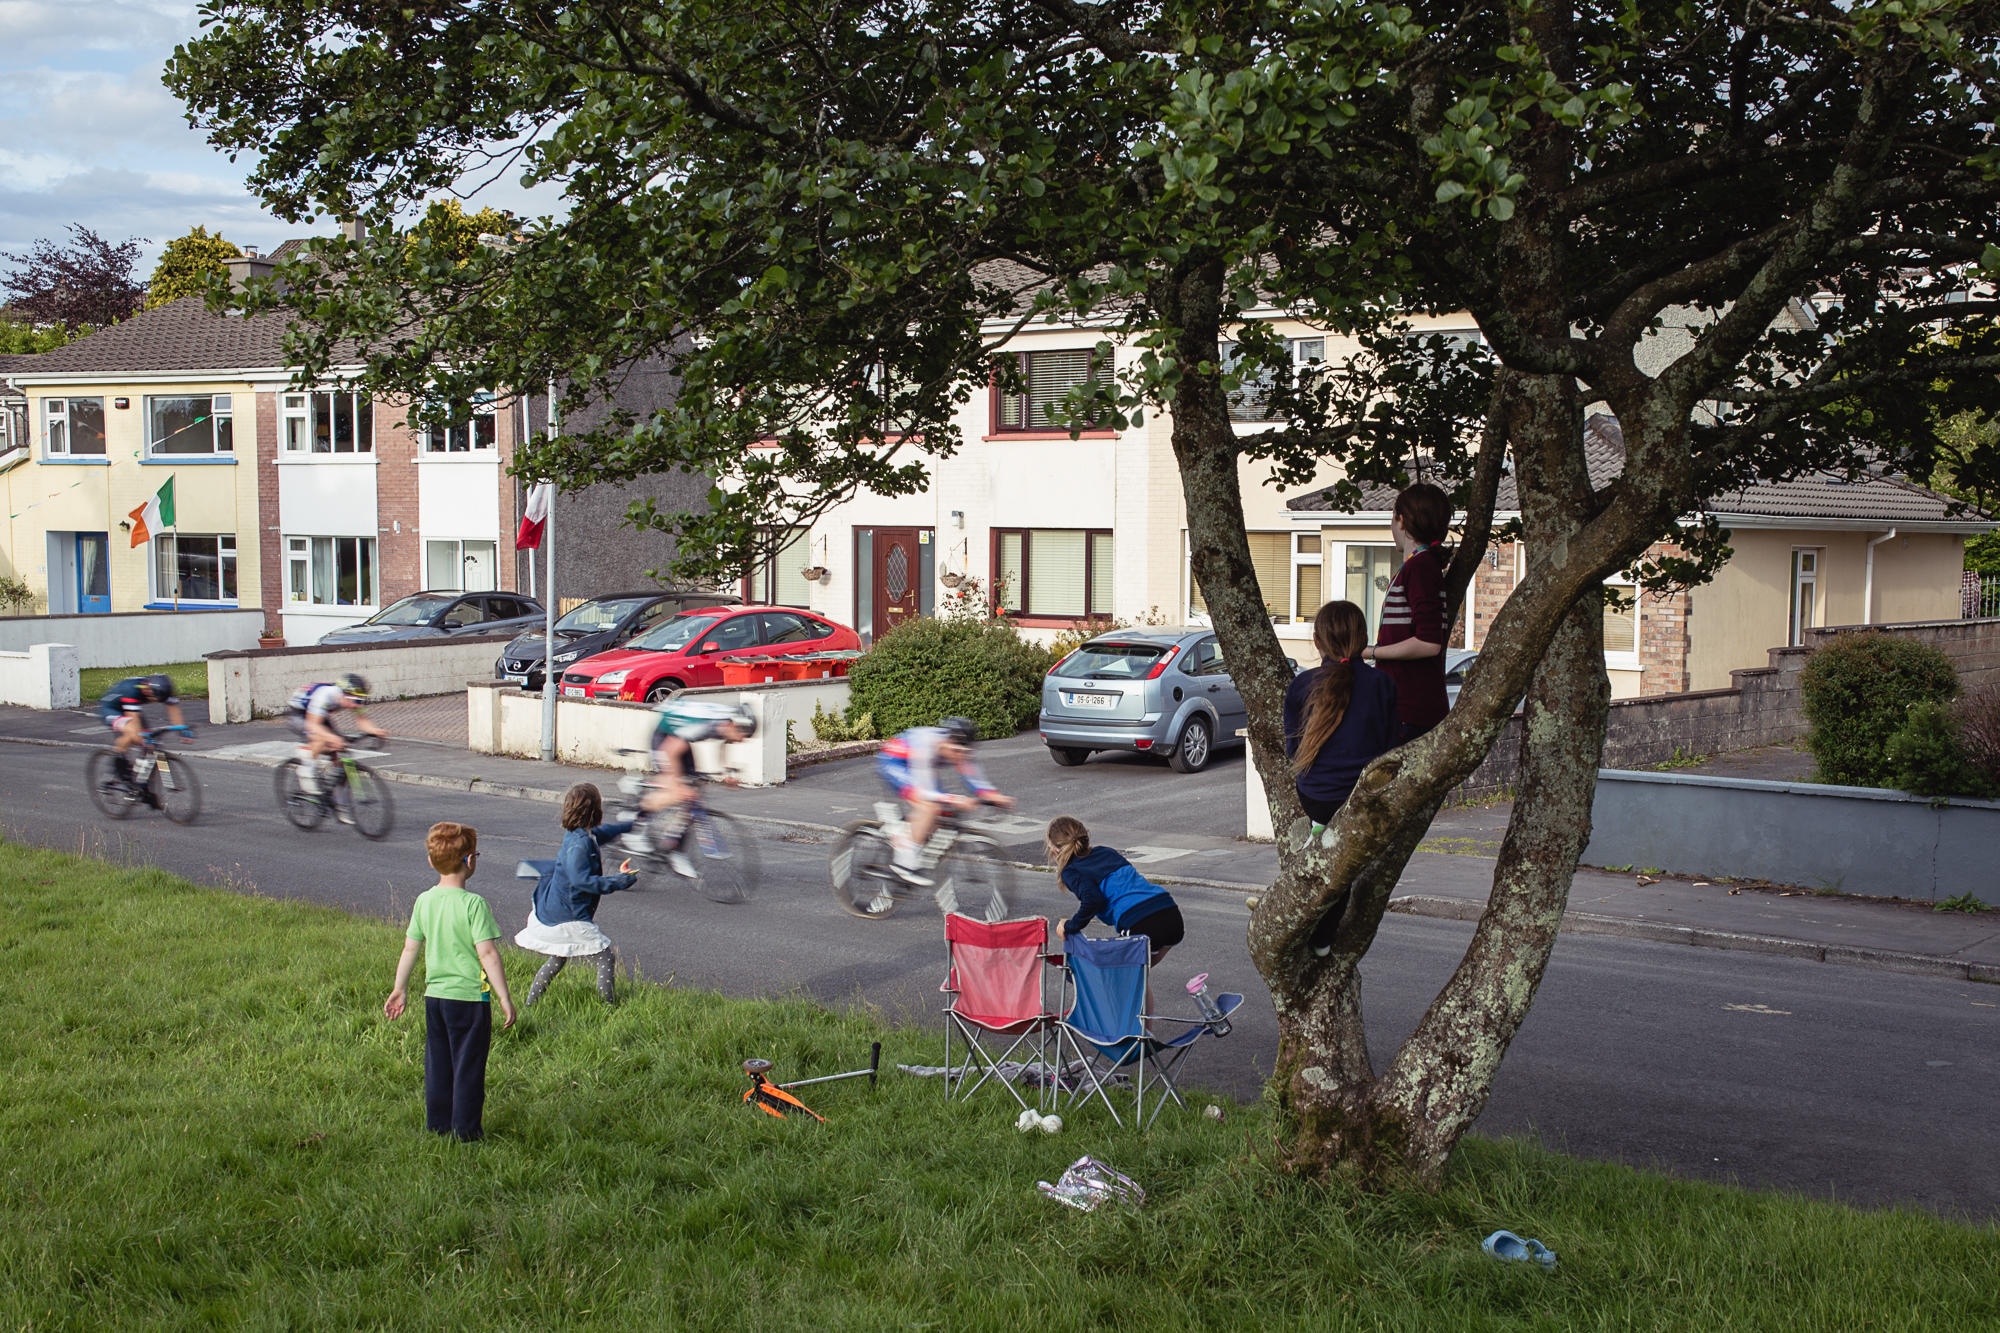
[302, 808]
[974, 880]
[177, 788]
[726, 856]
[368, 795]
[108, 792]
[859, 868]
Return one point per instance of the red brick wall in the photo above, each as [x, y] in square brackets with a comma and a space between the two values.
[1490, 588]
[1663, 636]
[399, 547]
[507, 412]
[270, 541]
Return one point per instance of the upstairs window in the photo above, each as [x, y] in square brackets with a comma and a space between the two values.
[329, 423]
[1251, 400]
[198, 424]
[74, 427]
[471, 426]
[1049, 377]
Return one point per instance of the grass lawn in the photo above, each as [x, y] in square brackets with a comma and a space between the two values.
[190, 678]
[205, 1121]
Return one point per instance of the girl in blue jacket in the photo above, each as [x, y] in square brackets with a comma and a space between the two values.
[562, 924]
[1107, 887]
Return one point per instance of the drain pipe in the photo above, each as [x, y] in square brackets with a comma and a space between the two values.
[1868, 583]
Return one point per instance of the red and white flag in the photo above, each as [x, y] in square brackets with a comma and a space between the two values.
[536, 519]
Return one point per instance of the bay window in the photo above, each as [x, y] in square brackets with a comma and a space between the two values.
[178, 424]
[1058, 572]
[330, 571]
[329, 423]
[188, 567]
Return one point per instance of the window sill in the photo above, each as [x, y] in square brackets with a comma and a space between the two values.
[191, 604]
[188, 460]
[1622, 662]
[59, 461]
[1052, 622]
[1051, 435]
[475, 456]
[315, 609]
[322, 460]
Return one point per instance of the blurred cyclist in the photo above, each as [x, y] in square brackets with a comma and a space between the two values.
[910, 765]
[123, 709]
[678, 724]
[311, 711]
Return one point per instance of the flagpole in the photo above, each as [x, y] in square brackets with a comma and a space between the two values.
[549, 672]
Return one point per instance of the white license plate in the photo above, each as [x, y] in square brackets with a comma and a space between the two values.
[574, 692]
[511, 676]
[1092, 700]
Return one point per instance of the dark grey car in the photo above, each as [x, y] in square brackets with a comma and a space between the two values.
[1148, 691]
[431, 615]
[598, 624]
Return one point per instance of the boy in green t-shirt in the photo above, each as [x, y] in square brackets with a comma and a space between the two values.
[456, 931]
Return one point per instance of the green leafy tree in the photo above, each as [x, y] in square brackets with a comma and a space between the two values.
[188, 266]
[19, 336]
[850, 205]
[452, 233]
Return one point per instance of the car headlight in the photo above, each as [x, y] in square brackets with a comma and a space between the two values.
[613, 678]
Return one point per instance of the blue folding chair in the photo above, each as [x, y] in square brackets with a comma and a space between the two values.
[1105, 1028]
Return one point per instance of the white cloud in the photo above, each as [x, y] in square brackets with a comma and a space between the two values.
[77, 31]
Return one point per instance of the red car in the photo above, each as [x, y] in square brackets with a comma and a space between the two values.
[686, 651]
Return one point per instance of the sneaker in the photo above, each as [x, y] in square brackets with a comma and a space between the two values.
[881, 903]
[342, 813]
[636, 843]
[909, 876]
[680, 865]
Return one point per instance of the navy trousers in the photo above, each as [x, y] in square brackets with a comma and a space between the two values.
[457, 1035]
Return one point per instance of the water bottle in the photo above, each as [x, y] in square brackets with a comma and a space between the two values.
[1217, 1024]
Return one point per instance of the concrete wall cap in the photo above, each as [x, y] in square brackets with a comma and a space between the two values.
[391, 645]
[1817, 789]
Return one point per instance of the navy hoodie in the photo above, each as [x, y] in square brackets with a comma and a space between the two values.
[1368, 728]
[1107, 886]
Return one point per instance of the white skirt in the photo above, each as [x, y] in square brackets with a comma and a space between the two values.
[572, 939]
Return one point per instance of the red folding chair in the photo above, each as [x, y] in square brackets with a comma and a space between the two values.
[994, 990]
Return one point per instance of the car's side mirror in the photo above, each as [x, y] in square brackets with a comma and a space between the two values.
[452, 624]
[708, 647]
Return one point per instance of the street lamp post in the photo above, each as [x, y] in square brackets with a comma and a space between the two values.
[549, 672]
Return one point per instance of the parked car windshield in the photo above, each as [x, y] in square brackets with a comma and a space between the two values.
[416, 610]
[1111, 661]
[592, 617]
[674, 634]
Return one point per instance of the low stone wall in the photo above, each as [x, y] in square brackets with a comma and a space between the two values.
[1854, 839]
[246, 685]
[45, 676]
[1972, 645]
[135, 638]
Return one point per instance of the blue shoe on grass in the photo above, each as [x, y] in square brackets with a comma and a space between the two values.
[1510, 1248]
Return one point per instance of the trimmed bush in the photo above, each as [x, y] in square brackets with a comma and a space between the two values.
[1927, 755]
[1858, 693]
[925, 669]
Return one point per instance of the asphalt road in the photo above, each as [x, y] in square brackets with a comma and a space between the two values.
[1867, 1086]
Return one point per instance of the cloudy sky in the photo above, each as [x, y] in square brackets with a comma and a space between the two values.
[89, 135]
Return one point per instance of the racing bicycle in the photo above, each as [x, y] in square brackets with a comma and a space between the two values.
[971, 876]
[345, 781]
[723, 853]
[160, 779]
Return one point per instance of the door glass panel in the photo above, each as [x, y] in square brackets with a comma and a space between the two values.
[896, 572]
[92, 568]
[1369, 570]
[441, 567]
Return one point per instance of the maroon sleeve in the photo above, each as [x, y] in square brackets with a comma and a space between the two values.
[1425, 585]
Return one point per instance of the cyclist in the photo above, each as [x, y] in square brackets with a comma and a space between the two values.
[677, 725]
[123, 709]
[909, 765]
[311, 711]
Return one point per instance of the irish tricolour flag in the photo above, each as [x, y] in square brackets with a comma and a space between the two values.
[155, 516]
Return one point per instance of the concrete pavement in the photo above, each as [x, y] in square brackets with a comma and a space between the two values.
[1185, 829]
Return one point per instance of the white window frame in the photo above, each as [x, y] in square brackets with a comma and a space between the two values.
[1303, 559]
[1627, 661]
[441, 441]
[1795, 631]
[458, 545]
[301, 551]
[1304, 352]
[226, 411]
[54, 415]
[226, 557]
[298, 413]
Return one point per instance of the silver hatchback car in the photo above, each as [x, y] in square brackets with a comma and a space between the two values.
[1148, 691]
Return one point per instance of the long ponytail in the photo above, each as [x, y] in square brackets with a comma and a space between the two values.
[1067, 839]
[1340, 632]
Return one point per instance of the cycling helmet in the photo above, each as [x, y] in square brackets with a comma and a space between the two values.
[745, 717]
[354, 685]
[160, 687]
[963, 730]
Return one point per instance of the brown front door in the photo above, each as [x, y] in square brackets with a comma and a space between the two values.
[897, 573]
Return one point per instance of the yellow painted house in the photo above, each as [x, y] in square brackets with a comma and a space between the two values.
[98, 427]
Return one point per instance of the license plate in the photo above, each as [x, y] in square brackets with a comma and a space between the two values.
[511, 676]
[574, 692]
[1091, 700]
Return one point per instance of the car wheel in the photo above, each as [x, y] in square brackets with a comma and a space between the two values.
[1191, 751]
[1068, 756]
[664, 691]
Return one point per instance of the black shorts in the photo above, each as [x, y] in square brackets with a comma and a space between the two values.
[1320, 812]
[1163, 928]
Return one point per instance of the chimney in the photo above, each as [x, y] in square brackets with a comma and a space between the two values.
[354, 229]
[249, 252]
[247, 266]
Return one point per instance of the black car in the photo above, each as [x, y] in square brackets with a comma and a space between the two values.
[430, 615]
[600, 623]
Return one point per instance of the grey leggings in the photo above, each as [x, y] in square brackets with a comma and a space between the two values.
[607, 972]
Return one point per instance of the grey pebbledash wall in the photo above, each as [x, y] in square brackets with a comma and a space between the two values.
[1762, 706]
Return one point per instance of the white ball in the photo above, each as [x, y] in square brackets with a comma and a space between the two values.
[1027, 1120]
[1051, 1124]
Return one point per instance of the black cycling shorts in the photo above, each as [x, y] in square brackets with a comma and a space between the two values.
[1164, 928]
